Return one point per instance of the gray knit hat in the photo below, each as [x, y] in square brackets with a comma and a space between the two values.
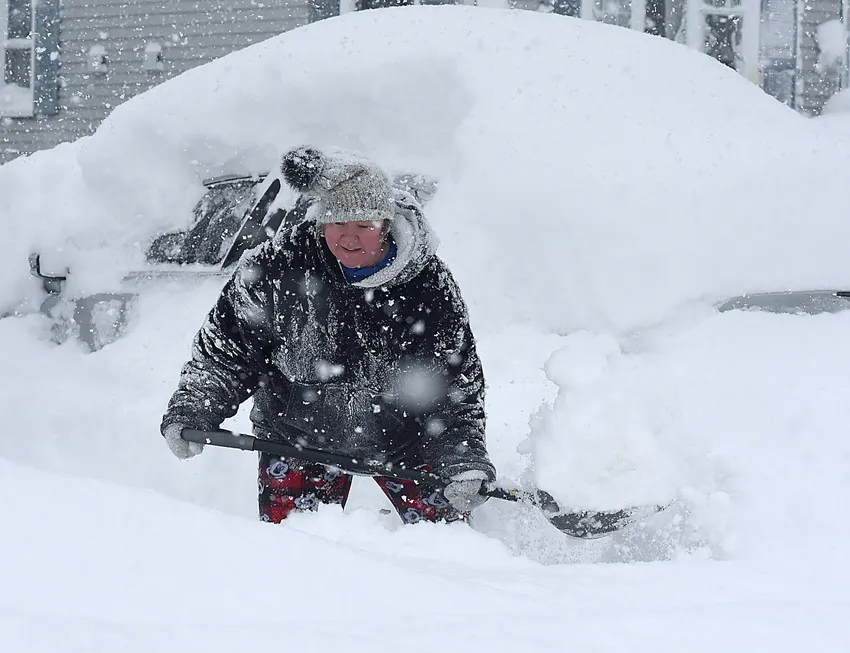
[346, 187]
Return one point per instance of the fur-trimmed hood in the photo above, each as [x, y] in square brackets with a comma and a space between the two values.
[415, 240]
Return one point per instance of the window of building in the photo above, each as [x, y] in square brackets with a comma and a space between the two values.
[17, 52]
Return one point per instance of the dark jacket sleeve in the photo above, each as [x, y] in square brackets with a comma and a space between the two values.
[453, 428]
[229, 353]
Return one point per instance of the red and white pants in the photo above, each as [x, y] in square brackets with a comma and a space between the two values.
[286, 485]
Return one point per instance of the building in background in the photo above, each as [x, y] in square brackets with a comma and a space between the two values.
[68, 63]
[796, 50]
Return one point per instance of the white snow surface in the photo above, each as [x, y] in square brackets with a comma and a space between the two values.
[589, 207]
[835, 120]
[838, 104]
[112, 544]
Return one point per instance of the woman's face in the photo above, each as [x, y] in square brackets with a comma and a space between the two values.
[357, 244]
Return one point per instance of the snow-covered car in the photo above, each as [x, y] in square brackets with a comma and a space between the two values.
[235, 214]
[238, 212]
[602, 193]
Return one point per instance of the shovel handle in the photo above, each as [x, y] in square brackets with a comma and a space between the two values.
[348, 464]
[220, 439]
[581, 524]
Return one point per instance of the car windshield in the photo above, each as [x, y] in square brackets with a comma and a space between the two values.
[216, 220]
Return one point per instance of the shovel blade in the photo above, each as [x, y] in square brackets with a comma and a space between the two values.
[590, 524]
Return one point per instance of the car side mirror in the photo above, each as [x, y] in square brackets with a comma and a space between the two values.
[52, 283]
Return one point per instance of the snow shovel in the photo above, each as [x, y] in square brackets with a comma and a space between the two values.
[582, 524]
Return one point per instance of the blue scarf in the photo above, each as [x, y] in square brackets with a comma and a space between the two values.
[358, 274]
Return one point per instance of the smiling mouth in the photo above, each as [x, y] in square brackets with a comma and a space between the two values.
[349, 250]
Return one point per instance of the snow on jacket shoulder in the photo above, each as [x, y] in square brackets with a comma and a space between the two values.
[384, 369]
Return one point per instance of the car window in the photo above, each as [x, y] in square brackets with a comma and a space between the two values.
[216, 220]
[254, 228]
[798, 301]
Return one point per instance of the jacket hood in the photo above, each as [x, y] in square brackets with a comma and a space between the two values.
[415, 240]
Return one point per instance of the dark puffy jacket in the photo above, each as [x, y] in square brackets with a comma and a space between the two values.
[385, 369]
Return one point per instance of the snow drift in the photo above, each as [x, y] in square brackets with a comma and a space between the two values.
[584, 199]
[548, 136]
[118, 569]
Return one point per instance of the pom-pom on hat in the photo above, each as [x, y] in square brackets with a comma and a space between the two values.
[346, 187]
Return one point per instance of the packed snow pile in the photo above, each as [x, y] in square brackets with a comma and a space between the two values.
[120, 569]
[547, 138]
[610, 438]
[737, 418]
[835, 120]
[838, 104]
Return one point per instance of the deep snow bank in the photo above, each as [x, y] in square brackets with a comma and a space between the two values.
[579, 188]
[92, 567]
[738, 419]
[578, 191]
[835, 119]
[838, 104]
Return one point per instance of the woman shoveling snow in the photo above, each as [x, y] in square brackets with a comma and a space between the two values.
[353, 338]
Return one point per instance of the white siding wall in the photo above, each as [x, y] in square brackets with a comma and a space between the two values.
[814, 87]
[191, 32]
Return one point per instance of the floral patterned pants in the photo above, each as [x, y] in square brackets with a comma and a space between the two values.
[286, 485]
